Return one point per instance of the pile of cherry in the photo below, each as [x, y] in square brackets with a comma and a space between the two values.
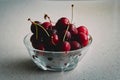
[62, 36]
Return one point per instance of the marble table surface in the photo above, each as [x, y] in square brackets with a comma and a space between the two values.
[102, 18]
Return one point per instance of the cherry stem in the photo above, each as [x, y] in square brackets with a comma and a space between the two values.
[36, 31]
[65, 33]
[72, 13]
[30, 20]
[46, 16]
[68, 24]
[37, 28]
[44, 29]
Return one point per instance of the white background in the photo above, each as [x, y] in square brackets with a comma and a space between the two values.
[102, 18]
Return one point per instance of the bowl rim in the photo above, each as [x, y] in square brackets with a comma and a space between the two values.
[24, 40]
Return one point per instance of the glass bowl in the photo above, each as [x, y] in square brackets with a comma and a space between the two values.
[55, 61]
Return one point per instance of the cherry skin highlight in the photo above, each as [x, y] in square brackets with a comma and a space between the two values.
[54, 39]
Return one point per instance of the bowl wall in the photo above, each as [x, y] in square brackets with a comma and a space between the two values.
[55, 61]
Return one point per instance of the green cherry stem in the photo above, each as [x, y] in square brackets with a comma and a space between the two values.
[65, 33]
[72, 13]
[46, 16]
[36, 31]
[68, 24]
[43, 29]
[35, 28]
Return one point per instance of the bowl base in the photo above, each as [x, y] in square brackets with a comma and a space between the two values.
[67, 67]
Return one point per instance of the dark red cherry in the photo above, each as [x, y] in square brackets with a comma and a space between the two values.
[35, 42]
[83, 39]
[62, 23]
[66, 46]
[49, 46]
[82, 29]
[52, 31]
[73, 30]
[47, 25]
[33, 38]
[35, 45]
[75, 45]
[41, 47]
[68, 35]
[43, 30]
[54, 39]
[33, 27]
[64, 35]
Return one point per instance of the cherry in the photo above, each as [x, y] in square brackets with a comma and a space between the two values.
[63, 36]
[83, 39]
[33, 27]
[32, 38]
[66, 46]
[68, 35]
[49, 46]
[47, 25]
[43, 30]
[35, 42]
[54, 39]
[41, 47]
[35, 45]
[52, 31]
[75, 45]
[62, 23]
[73, 30]
[82, 29]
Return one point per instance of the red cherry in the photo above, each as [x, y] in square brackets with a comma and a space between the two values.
[41, 47]
[68, 35]
[73, 30]
[54, 39]
[47, 25]
[62, 23]
[83, 39]
[35, 42]
[33, 27]
[66, 46]
[52, 31]
[82, 29]
[75, 45]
